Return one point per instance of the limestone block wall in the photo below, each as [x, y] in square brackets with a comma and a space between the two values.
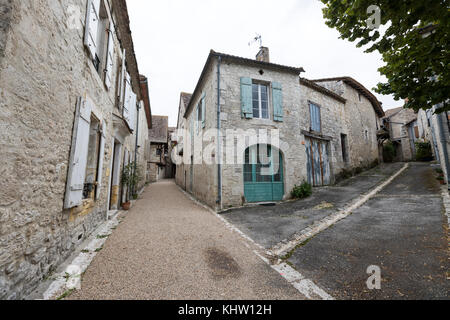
[362, 122]
[334, 123]
[203, 174]
[44, 70]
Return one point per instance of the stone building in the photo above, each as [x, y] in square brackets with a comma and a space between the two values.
[158, 141]
[324, 127]
[69, 92]
[435, 128]
[403, 132]
[181, 173]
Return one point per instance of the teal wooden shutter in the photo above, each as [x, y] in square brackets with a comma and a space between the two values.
[203, 110]
[277, 97]
[315, 117]
[246, 98]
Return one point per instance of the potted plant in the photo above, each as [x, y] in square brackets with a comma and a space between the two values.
[130, 178]
[441, 180]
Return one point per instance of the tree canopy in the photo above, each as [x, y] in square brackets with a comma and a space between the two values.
[413, 40]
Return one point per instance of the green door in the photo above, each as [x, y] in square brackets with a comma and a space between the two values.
[263, 176]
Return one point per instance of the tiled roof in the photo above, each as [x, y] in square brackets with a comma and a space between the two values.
[325, 91]
[360, 88]
[159, 131]
[391, 112]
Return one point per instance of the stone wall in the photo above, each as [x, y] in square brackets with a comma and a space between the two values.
[5, 21]
[44, 70]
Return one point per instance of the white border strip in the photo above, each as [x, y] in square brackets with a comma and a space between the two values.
[60, 284]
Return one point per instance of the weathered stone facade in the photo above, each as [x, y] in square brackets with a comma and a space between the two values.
[44, 70]
[339, 105]
[399, 122]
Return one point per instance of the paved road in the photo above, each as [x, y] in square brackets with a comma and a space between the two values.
[270, 225]
[170, 248]
[402, 230]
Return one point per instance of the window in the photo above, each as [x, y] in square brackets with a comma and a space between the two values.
[260, 101]
[315, 117]
[99, 39]
[93, 159]
[366, 134]
[359, 97]
[256, 168]
[344, 147]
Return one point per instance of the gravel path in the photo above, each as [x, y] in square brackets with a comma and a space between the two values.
[168, 247]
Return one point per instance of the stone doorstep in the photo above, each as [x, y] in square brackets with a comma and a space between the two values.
[55, 286]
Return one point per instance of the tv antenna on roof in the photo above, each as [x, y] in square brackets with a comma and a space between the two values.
[258, 38]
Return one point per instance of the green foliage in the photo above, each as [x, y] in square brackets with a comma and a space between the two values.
[302, 191]
[423, 151]
[389, 152]
[131, 177]
[411, 58]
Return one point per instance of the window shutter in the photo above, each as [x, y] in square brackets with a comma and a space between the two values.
[109, 59]
[78, 155]
[132, 111]
[127, 96]
[246, 98]
[315, 117]
[204, 110]
[277, 97]
[122, 80]
[100, 160]
[92, 19]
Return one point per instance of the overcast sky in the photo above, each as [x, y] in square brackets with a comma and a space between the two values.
[172, 39]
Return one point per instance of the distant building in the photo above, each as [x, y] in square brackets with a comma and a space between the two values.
[158, 137]
[403, 132]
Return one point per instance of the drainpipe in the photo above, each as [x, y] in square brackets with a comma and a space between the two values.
[136, 147]
[219, 166]
[444, 140]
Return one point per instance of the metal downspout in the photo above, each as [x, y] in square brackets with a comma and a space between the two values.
[219, 166]
[136, 146]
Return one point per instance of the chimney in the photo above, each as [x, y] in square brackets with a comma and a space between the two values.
[263, 55]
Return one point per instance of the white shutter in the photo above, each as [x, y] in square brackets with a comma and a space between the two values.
[78, 155]
[92, 20]
[133, 111]
[127, 98]
[100, 161]
[122, 80]
[109, 59]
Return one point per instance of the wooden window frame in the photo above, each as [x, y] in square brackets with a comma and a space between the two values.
[268, 86]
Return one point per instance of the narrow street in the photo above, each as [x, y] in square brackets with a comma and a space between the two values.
[167, 247]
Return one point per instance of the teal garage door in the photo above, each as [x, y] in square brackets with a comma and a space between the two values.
[263, 175]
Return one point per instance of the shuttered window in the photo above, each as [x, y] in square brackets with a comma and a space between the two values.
[277, 98]
[78, 155]
[260, 101]
[92, 24]
[315, 117]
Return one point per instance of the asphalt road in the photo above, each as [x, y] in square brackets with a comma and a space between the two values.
[270, 225]
[403, 231]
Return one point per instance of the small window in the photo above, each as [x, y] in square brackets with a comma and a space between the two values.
[315, 117]
[366, 135]
[344, 148]
[260, 101]
[359, 97]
